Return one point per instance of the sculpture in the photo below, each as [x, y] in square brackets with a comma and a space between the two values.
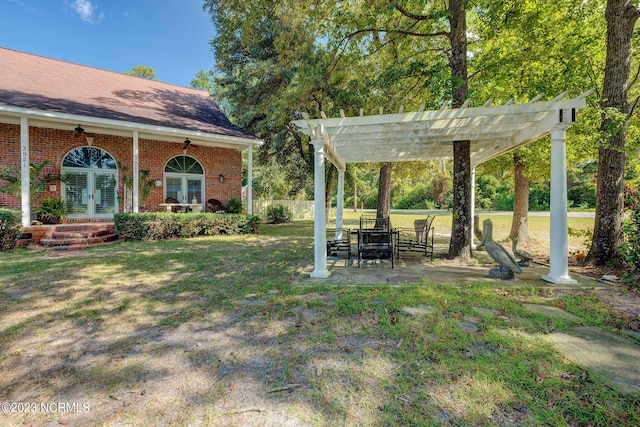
[507, 264]
[477, 232]
[524, 256]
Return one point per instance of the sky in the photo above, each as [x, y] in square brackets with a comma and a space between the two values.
[170, 36]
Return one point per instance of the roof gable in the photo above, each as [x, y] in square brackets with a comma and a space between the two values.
[35, 82]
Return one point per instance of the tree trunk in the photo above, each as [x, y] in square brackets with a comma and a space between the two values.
[355, 192]
[520, 222]
[327, 194]
[460, 245]
[384, 191]
[621, 17]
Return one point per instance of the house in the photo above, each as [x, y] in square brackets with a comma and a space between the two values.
[99, 128]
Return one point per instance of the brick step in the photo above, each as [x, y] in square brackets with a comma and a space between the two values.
[81, 234]
[23, 243]
[74, 247]
[83, 241]
[74, 228]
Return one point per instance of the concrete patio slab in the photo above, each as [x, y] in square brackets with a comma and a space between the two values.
[551, 311]
[615, 359]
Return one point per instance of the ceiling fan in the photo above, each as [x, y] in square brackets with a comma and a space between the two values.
[187, 144]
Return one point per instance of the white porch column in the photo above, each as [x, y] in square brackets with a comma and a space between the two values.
[319, 228]
[473, 204]
[340, 204]
[25, 172]
[559, 251]
[250, 181]
[136, 173]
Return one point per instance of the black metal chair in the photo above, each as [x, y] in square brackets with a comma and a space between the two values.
[416, 239]
[215, 205]
[338, 240]
[375, 239]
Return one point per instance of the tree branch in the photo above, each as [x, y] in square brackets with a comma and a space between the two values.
[403, 32]
[633, 106]
[407, 13]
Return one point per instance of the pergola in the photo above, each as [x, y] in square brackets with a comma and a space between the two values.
[429, 135]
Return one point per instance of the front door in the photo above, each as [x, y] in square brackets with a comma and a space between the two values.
[89, 186]
[90, 194]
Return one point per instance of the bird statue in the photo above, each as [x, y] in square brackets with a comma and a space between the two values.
[524, 256]
[507, 264]
[477, 232]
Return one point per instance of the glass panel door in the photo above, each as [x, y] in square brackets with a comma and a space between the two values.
[174, 189]
[104, 194]
[77, 193]
[194, 190]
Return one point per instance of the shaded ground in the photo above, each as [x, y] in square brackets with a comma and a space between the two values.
[230, 331]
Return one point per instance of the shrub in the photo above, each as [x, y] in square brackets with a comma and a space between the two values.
[9, 228]
[234, 206]
[630, 248]
[416, 198]
[167, 225]
[278, 214]
[52, 210]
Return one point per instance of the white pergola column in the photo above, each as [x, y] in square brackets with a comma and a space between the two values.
[136, 174]
[559, 250]
[340, 204]
[250, 181]
[319, 228]
[25, 172]
[473, 204]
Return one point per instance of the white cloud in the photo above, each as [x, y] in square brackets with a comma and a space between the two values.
[87, 11]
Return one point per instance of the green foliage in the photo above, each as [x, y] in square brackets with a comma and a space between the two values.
[278, 214]
[145, 185]
[417, 198]
[587, 234]
[630, 248]
[142, 72]
[38, 180]
[203, 81]
[234, 206]
[166, 225]
[52, 209]
[9, 228]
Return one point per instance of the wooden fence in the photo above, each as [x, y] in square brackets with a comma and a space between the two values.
[300, 208]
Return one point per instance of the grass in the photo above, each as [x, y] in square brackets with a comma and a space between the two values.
[161, 333]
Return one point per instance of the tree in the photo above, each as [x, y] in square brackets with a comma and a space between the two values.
[529, 47]
[203, 81]
[384, 191]
[142, 72]
[402, 27]
[621, 16]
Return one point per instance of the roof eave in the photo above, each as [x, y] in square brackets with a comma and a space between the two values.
[119, 127]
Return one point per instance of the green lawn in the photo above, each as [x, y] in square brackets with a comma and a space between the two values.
[161, 333]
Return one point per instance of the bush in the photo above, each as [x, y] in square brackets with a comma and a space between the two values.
[9, 228]
[278, 214]
[167, 225]
[416, 198]
[52, 210]
[630, 248]
[234, 206]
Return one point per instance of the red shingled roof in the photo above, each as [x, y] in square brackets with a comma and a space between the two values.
[36, 82]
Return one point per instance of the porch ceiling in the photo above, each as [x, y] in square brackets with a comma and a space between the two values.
[429, 135]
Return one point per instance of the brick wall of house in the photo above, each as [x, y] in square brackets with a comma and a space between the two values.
[54, 144]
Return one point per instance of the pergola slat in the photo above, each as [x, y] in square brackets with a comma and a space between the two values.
[429, 135]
